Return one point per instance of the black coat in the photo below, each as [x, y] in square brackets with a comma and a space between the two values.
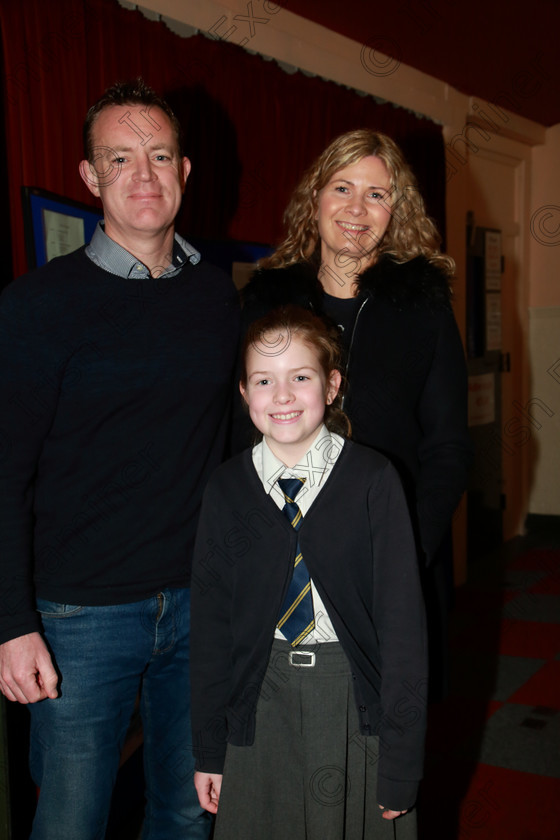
[406, 391]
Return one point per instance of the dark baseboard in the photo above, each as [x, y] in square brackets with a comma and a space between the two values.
[540, 523]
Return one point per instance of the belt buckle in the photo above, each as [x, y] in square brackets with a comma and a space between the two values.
[309, 654]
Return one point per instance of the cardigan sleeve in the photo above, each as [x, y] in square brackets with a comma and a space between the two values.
[399, 619]
[211, 643]
[445, 450]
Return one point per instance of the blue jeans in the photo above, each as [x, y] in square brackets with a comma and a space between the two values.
[104, 655]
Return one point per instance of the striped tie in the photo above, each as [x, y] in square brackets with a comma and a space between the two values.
[296, 616]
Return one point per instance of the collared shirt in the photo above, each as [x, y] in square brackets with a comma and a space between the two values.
[315, 467]
[112, 257]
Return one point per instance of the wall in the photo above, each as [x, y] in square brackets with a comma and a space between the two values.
[543, 406]
[545, 222]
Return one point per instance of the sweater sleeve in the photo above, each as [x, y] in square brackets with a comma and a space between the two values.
[29, 384]
[398, 614]
[211, 644]
[445, 451]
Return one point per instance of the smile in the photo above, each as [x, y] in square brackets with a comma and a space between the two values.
[290, 416]
[353, 228]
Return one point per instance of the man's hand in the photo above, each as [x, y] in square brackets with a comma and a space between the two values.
[27, 674]
[208, 786]
[390, 815]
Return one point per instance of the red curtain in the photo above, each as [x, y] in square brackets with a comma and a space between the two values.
[250, 128]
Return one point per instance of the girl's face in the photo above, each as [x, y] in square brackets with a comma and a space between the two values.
[286, 391]
[353, 213]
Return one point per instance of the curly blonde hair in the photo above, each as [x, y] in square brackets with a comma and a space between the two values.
[410, 232]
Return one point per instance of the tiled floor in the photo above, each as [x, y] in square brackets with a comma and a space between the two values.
[493, 767]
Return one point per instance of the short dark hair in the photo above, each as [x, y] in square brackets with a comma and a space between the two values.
[133, 92]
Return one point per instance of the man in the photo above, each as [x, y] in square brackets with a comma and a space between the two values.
[115, 370]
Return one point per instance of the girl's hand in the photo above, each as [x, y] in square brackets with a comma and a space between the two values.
[391, 815]
[208, 786]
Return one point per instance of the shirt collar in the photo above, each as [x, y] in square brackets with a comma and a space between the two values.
[112, 257]
[312, 467]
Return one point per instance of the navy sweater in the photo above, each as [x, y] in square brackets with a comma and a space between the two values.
[113, 400]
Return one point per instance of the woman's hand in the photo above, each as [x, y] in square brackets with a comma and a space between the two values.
[208, 786]
[390, 815]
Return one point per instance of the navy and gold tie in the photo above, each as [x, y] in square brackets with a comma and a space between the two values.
[296, 616]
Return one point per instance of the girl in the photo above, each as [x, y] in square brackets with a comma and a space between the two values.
[308, 658]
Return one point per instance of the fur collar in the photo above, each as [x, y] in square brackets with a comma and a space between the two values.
[415, 284]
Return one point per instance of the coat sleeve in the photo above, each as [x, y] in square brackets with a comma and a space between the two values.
[399, 619]
[445, 451]
[211, 643]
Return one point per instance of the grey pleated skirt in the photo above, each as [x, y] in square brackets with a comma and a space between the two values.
[310, 775]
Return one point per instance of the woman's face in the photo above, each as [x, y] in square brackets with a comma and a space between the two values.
[353, 212]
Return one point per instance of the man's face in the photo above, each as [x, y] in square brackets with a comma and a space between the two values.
[136, 171]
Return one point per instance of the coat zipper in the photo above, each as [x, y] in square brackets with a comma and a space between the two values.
[351, 345]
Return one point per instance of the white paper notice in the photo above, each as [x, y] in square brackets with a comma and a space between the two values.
[482, 408]
[493, 321]
[63, 234]
[493, 260]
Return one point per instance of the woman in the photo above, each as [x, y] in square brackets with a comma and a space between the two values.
[361, 251]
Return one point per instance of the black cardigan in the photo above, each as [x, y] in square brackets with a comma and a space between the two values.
[359, 549]
[406, 391]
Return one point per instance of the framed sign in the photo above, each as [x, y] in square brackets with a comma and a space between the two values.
[54, 225]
